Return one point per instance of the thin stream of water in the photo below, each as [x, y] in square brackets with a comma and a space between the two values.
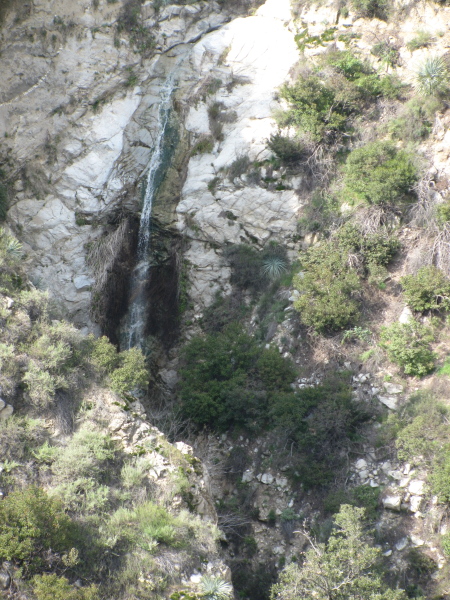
[133, 329]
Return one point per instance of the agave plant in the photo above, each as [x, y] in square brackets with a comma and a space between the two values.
[432, 76]
[274, 266]
[14, 248]
[215, 588]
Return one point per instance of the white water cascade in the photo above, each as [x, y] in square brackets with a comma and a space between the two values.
[134, 323]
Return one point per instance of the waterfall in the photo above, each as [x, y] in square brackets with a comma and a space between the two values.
[134, 325]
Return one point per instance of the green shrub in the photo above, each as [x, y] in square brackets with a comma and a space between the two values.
[408, 345]
[81, 467]
[132, 375]
[386, 52]
[328, 287]
[314, 108]
[371, 8]
[429, 289]
[320, 421]
[422, 39]
[422, 430]
[104, 355]
[204, 145]
[148, 524]
[227, 379]
[289, 150]
[378, 173]
[432, 78]
[52, 587]
[415, 121]
[18, 435]
[440, 476]
[347, 561]
[31, 524]
[445, 541]
[238, 167]
[443, 212]
[362, 496]
[376, 249]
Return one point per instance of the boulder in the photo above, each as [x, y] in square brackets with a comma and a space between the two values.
[417, 487]
[392, 502]
[389, 401]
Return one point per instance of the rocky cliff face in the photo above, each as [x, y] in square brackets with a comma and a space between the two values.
[77, 116]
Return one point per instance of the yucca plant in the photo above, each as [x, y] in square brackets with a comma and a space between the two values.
[213, 587]
[274, 266]
[432, 76]
[14, 248]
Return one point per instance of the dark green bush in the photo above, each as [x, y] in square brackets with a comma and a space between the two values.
[228, 379]
[205, 145]
[132, 374]
[31, 524]
[252, 269]
[314, 108]
[377, 249]
[386, 52]
[320, 420]
[289, 150]
[408, 345]
[371, 8]
[378, 173]
[429, 289]
[440, 476]
[328, 289]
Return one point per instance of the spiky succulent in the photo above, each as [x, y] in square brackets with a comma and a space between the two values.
[215, 588]
[432, 76]
[14, 248]
[274, 266]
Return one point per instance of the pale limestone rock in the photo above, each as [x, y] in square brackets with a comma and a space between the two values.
[406, 315]
[267, 478]
[360, 464]
[416, 540]
[184, 448]
[389, 401]
[415, 503]
[401, 544]
[393, 388]
[417, 487]
[247, 476]
[392, 502]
